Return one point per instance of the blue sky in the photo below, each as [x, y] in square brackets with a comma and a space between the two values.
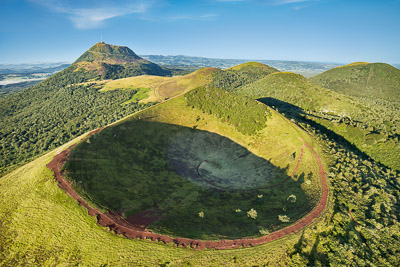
[341, 31]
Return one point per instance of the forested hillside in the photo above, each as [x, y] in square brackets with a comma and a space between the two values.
[51, 113]
[239, 75]
[363, 228]
[67, 104]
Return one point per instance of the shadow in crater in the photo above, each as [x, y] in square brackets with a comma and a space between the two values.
[142, 166]
[211, 160]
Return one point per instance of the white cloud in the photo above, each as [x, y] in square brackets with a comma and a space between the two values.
[92, 14]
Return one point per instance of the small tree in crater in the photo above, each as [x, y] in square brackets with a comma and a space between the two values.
[252, 213]
[283, 218]
[292, 198]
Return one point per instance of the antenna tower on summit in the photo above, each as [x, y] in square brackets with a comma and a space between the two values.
[101, 41]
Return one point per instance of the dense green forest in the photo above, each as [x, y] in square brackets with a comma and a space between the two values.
[67, 104]
[142, 67]
[245, 114]
[364, 228]
[54, 111]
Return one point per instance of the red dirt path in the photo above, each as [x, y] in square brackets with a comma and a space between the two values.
[120, 226]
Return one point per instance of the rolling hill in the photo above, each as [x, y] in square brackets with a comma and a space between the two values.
[239, 75]
[157, 88]
[360, 123]
[361, 79]
[296, 89]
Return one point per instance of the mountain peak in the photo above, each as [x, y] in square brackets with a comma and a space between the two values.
[109, 53]
[106, 61]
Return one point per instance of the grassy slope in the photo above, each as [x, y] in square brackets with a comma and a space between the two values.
[373, 80]
[297, 90]
[40, 224]
[162, 87]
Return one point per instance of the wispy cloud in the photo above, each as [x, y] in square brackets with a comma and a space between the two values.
[92, 14]
[203, 17]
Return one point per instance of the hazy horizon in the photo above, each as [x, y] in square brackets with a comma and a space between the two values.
[334, 31]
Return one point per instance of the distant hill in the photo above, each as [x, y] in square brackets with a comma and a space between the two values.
[239, 75]
[372, 80]
[32, 68]
[296, 89]
[15, 87]
[306, 68]
[105, 61]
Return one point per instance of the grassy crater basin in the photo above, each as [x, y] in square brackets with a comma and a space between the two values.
[188, 182]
